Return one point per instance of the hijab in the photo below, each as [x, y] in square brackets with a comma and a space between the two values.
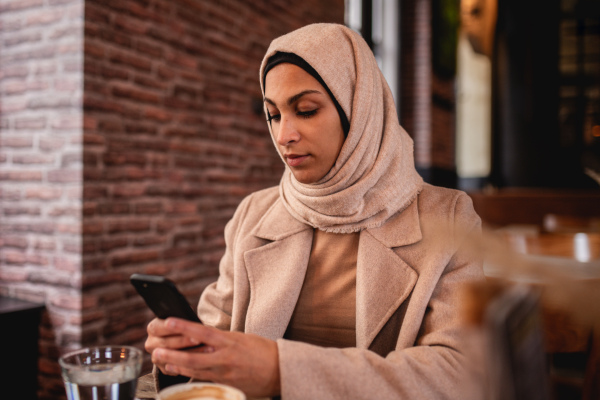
[374, 176]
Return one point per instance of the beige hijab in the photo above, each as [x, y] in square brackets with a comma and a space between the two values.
[374, 176]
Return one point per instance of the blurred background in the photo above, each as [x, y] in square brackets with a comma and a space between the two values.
[131, 129]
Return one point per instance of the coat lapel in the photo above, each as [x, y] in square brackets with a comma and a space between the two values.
[276, 271]
[383, 279]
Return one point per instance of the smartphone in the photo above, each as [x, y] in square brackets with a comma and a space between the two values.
[163, 298]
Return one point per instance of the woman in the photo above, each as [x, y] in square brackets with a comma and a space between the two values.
[333, 284]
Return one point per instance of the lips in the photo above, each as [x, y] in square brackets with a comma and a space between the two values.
[293, 160]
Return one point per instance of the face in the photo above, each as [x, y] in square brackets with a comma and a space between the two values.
[304, 122]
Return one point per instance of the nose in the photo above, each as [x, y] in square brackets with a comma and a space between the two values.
[287, 132]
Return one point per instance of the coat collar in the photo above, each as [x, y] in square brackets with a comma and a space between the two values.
[278, 224]
[383, 279]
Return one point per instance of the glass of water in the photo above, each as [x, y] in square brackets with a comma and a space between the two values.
[101, 372]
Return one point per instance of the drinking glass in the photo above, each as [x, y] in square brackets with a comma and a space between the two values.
[101, 372]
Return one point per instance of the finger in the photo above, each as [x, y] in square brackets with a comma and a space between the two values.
[189, 360]
[161, 366]
[201, 375]
[199, 332]
[169, 342]
[159, 327]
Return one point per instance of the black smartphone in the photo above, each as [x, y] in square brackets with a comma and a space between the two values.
[163, 298]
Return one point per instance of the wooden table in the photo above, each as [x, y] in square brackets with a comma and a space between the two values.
[569, 297]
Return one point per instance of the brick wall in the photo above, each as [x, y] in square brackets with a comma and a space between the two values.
[428, 102]
[415, 69]
[40, 166]
[128, 139]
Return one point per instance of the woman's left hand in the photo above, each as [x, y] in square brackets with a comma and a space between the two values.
[248, 362]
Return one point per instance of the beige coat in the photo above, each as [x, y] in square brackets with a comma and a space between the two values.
[410, 340]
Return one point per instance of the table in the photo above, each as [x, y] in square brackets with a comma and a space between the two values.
[570, 293]
[20, 322]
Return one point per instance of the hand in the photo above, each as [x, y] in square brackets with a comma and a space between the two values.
[159, 335]
[248, 362]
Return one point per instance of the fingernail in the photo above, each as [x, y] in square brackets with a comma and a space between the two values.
[194, 341]
[171, 368]
[158, 353]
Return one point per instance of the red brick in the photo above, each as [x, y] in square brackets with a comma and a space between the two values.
[113, 243]
[15, 5]
[149, 240]
[128, 24]
[10, 25]
[66, 301]
[157, 114]
[181, 208]
[69, 159]
[72, 264]
[20, 176]
[44, 18]
[48, 68]
[130, 60]
[68, 228]
[96, 14]
[113, 208]
[93, 139]
[65, 175]
[148, 208]
[15, 241]
[45, 244]
[33, 159]
[128, 226]
[143, 96]
[147, 48]
[65, 32]
[72, 247]
[92, 227]
[14, 106]
[94, 192]
[97, 104]
[30, 123]
[12, 257]
[141, 128]
[21, 38]
[123, 158]
[135, 258]
[15, 275]
[13, 211]
[16, 142]
[43, 193]
[51, 143]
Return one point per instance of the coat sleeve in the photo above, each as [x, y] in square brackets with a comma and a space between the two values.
[436, 367]
[215, 306]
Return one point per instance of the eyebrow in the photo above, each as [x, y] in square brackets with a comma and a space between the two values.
[294, 98]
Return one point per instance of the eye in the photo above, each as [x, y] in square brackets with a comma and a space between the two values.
[307, 114]
[275, 118]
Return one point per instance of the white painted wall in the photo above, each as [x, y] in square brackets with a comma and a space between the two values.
[473, 112]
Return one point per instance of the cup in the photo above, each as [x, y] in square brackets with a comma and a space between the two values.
[201, 391]
[101, 372]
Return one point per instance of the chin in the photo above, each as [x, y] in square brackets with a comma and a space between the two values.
[305, 179]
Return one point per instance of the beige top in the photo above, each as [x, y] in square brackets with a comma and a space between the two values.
[325, 314]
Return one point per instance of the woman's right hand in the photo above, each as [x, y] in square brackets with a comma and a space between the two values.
[159, 336]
